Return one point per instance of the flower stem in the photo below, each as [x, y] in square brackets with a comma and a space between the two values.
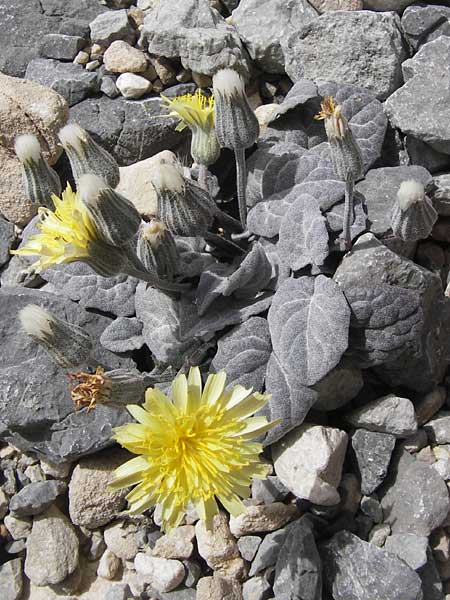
[348, 212]
[203, 177]
[241, 180]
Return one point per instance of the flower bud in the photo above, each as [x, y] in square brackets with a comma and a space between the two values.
[157, 250]
[106, 260]
[205, 149]
[86, 156]
[115, 218]
[413, 215]
[183, 206]
[39, 180]
[67, 344]
[236, 122]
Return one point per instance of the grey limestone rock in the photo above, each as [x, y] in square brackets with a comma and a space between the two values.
[440, 194]
[421, 107]
[268, 550]
[269, 490]
[423, 154]
[423, 24]
[438, 429]
[37, 411]
[360, 47]
[60, 46]
[243, 354]
[71, 81]
[130, 130]
[373, 453]
[298, 571]
[196, 33]
[80, 283]
[36, 497]
[357, 570]
[256, 588]
[11, 579]
[388, 414]
[379, 191]
[414, 497]
[111, 26]
[124, 334]
[262, 25]
[338, 387]
[7, 237]
[431, 580]
[248, 546]
[383, 5]
[409, 547]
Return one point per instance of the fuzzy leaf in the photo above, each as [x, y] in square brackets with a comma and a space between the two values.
[243, 353]
[303, 234]
[309, 320]
[124, 334]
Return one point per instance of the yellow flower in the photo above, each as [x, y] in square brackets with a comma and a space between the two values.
[193, 450]
[65, 233]
[193, 110]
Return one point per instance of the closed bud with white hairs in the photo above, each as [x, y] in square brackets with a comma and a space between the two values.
[114, 217]
[40, 182]
[86, 156]
[67, 344]
[183, 206]
[157, 250]
[413, 214]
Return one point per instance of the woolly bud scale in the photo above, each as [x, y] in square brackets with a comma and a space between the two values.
[413, 214]
[67, 344]
[157, 250]
[39, 180]
[86, 156]
[115, 218]
[235, 121]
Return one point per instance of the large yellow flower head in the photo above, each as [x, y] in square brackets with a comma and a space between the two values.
[65, 233]
[192, 450]
[194, 111]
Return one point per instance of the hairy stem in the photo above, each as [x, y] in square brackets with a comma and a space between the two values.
[348, 212]
[203, 177]
[241, 180]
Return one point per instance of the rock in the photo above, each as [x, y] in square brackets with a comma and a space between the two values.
[412, 549]
[378, 534]
[178, 543]
[60, 471]
[61, 47]
[121, 538]
[108, 87]
[425, 75]
[69, 80]
[423, 24]
[330, 5]
[424, 155]
[421, 364]
[90, 503]
[133, 86]
[120, 57]
[256, 588]
[52, 549]
[111, 26]
[414, 497]
[35, 498]
[18, 528]
[116, 124]
[4, 503]
[269, 549]
[97, 545]
[216, 545]
[438, 429]
[109, 565]
[262, 518]
[268, 490]
[440, 544]
[48, 423]
[429, 404]
[162, 574]
[262, 25]
[344, 46]
[389, 414]
[218, 588]
[7, 238]
[379, 191]
[26, 108]
[356, 570]
[371, 507]
[336, 389]
[309, 459]
[119, 591]
[11, 582]
[248, 546]
[383, 5]
[198, 35]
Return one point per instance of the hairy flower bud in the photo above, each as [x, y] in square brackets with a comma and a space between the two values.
[86, 156]
[115, 218]
[157, 250]
[67, 344]
[413, 215]
[183, 206]
[236, 122]
[39, 180]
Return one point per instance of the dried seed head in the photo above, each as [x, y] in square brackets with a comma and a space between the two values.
[409, 193]
[156, 249]
[89, 389]
[413, 215]
[115, 219]
[168, 177]
[229, 83]
[68, 345]
[39, 180]
[86, 156]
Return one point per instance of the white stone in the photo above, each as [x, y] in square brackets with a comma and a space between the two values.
[60, 471]
[388, 414]
[262, 518]
[123, 58]
[216, 545]
[121, 538]
[309, 460]
[163, 574]
[109, 565]
[4, 502]
[19, 528]
[176, 544]
[133, 86]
